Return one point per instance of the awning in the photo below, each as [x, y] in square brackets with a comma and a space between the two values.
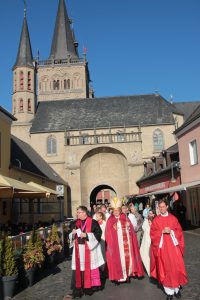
[10, 187]
[42, 188]
[177, 188]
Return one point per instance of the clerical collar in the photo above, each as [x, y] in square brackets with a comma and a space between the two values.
[165, 214]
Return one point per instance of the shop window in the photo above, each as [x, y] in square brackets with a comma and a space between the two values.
[51, 145]
[21, 80]
[21, 105]
[193, 152]
[158, 140]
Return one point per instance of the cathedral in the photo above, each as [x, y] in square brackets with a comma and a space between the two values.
[95, 144]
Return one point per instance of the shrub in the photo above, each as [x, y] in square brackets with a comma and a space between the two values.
[8, 266]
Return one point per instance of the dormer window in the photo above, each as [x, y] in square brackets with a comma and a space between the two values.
[51, 145]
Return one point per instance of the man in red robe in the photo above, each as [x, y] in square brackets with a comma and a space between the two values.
[87, 255]
[167, 249]
[122, 253]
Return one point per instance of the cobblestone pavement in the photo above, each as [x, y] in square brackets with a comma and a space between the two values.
[56, 285]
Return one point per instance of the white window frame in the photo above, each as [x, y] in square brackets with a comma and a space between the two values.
[193, 150]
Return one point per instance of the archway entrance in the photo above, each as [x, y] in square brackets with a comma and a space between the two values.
[101, 194]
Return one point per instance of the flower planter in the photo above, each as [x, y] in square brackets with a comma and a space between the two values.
[30, 274]
[9, 285]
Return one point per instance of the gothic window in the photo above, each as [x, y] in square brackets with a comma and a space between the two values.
[29, 80]
[158, 140]
[29, 105]
[51, 145]
[21, 105]
[66, 84]
[21, 80]
[76, 81]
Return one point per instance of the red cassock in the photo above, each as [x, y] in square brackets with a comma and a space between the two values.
[167, 263]
[113, 252]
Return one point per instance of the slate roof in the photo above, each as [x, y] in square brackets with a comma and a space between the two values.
[57, 115]
[9, 115]
[24, 56]
[195, 115]
[63, 41]
[25, 157]
[187, 108]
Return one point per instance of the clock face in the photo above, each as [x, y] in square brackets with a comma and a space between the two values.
[60, 189]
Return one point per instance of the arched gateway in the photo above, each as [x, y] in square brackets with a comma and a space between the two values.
[103, 168]
[101, 194]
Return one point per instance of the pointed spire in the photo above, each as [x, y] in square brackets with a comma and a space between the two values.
[63, 43]
[24, 56]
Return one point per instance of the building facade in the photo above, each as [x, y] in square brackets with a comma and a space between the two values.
[94, 144]
[188, 136]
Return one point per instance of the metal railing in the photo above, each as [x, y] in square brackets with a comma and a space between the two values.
[20, 240]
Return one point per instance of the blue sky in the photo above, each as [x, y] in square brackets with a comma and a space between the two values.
[134, 46]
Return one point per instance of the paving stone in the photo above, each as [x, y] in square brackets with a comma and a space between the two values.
[57, 284]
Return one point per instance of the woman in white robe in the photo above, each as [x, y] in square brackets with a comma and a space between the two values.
[146, 241]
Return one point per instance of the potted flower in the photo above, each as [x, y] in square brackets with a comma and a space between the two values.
[33, 256]
[9, 269]
[53, 244]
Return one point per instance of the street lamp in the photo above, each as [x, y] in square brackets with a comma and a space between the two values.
[173, 179]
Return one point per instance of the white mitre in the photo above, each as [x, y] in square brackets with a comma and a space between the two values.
[115, 202]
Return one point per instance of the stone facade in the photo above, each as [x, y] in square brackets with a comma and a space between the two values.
[86, 159]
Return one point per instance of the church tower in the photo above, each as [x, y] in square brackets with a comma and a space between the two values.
[24, 80]
[64, 75]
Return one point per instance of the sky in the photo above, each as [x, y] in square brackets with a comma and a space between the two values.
[133, 46]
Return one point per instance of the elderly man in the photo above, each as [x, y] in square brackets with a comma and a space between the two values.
[123, 257]
[87, 256]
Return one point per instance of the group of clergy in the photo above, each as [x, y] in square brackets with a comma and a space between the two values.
[107, 246]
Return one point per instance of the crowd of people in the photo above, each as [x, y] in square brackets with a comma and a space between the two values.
[119, 241]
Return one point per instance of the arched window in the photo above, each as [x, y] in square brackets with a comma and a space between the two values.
[51, 145]
[158, 140]
[29, 80]
[67, 84]
[21, 80]
[29, 105]
[56, 85]
[21, 105]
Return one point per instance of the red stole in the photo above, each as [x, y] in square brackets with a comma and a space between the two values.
[87, 272]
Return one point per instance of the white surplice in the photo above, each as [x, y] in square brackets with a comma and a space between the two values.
[96, 257]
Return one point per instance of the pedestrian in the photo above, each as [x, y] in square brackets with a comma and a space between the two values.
[104, 210]
[140, 208]
[87, 256]
[146, 241]
[139, 222]
[167, 250]
[122, 253]
[146, 211]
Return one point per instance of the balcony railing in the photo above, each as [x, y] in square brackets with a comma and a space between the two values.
[50, 62]
[71, 140]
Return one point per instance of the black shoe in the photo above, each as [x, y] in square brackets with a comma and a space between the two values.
[178, 295]
[169, 297]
